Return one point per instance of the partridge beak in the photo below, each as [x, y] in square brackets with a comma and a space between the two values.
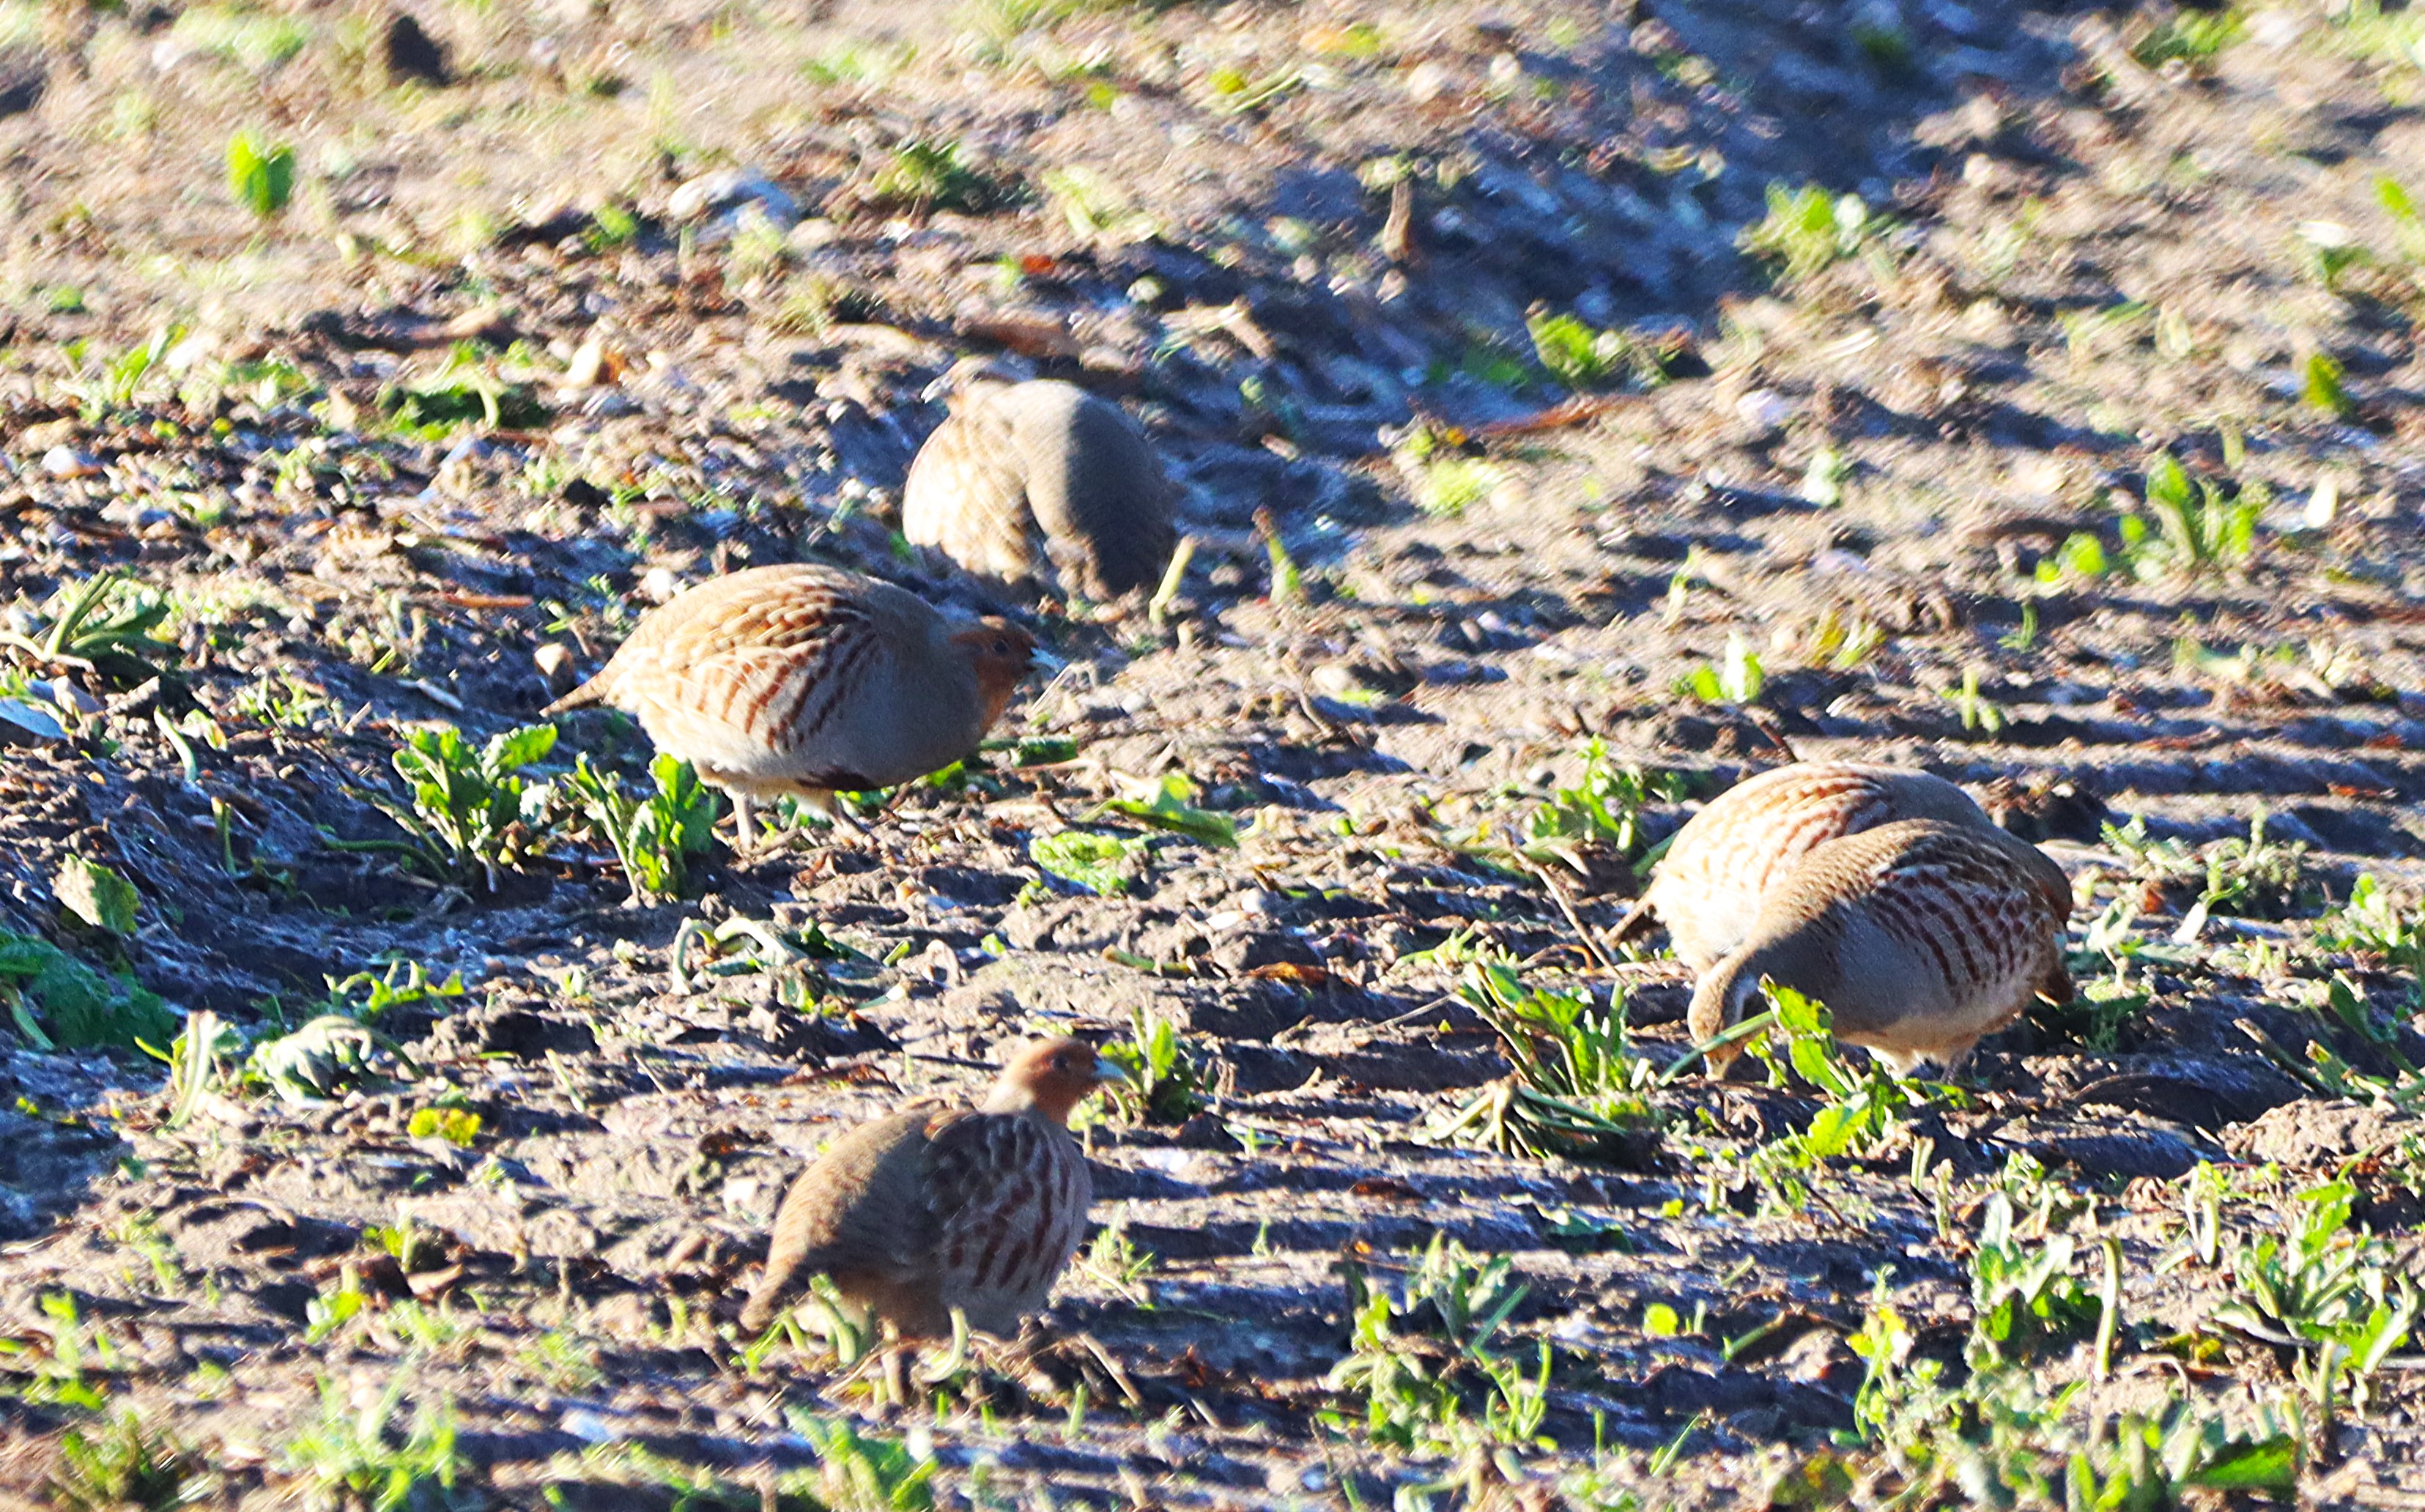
[1108, 1070]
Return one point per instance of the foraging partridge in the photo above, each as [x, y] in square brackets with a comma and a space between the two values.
[1040, 482]
[1919, 935]
[808, 680]
[916, 1214]
[1708, 886]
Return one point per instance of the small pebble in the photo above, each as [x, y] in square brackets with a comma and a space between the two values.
[554, 663]
[66, 461]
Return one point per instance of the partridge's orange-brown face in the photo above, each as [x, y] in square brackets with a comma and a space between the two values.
[1002, 654]
[1058, 1074]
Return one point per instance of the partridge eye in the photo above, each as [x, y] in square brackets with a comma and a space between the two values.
[1001, 648]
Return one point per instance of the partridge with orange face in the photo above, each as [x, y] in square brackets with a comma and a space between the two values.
[1040, 483]
[1710, 885]
[924, 1213]
[1919, 935]
[809, 680]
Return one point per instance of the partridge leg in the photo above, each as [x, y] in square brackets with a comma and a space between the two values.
[744, 809]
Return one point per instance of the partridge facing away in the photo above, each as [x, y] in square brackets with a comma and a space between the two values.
[1919, 935]
[1040, 482]
[808, 680]
[923, 1212]
[1708, 886]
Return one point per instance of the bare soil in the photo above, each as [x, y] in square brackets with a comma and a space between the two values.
[2083, 262]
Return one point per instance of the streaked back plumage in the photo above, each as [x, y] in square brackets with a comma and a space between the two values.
[807, 679]
[1919, 936]
[1710, 885]
[925, 1211]
[1040, 482]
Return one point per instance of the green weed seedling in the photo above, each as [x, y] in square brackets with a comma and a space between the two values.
[1735, 680]
[2201, 525]
[2027, 1299]
[654, 835]
[862, 1471]
[1603, 809]
[1582, 357]
[1166, 1083]
[261, 175]
[103, 624]
[1099, 863]
[122, 1465]
[1121, 1262]
[1421, 1365]
[1575, 1092]
[469, 812]
[57, 1003]
[321, 1061]
[1808, 230]
[400, 983]
[932, 175]
[351, 1455]
[1168, 802]
[2333, 1295]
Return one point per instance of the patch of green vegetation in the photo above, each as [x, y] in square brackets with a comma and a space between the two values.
[1575, 1092]
[1166, 1083]
[124, 1467]
[1098, 863]
[467, 392]
[934, 175]
[2336, 1297]
[104, 623]
[1736, 680]
[2193, 38]
[656, 834]
[1169, 803]
[459, 1127]
[261, 175]
[97, 895]
[1422, 1374]
[354, 1457]
[467, 813]
[2325, 387]
[323, 1060]
[259, 40]
[1602, 807]
[1808, 230]
[58, 1003]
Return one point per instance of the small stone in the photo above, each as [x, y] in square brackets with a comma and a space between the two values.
[554, 663]
[1426, 82]
[658, 586]
[1765, 409]
[66, 461]
[593, 363]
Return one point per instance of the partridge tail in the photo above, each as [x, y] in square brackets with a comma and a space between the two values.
[1636, 919]
[582, 696]
[789, 1265]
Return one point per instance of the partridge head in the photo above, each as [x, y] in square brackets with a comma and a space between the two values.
[808, 680]
[925, 1212]
[1038, 482]
[1919, 937]
[1708, 886]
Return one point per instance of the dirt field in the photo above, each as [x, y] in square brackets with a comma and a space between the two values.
[1576, 409]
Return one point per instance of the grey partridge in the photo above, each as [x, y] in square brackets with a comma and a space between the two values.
[808, 680]
[1708, 886]
[925, 1212]
[1919, 935]
[1040, 483]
